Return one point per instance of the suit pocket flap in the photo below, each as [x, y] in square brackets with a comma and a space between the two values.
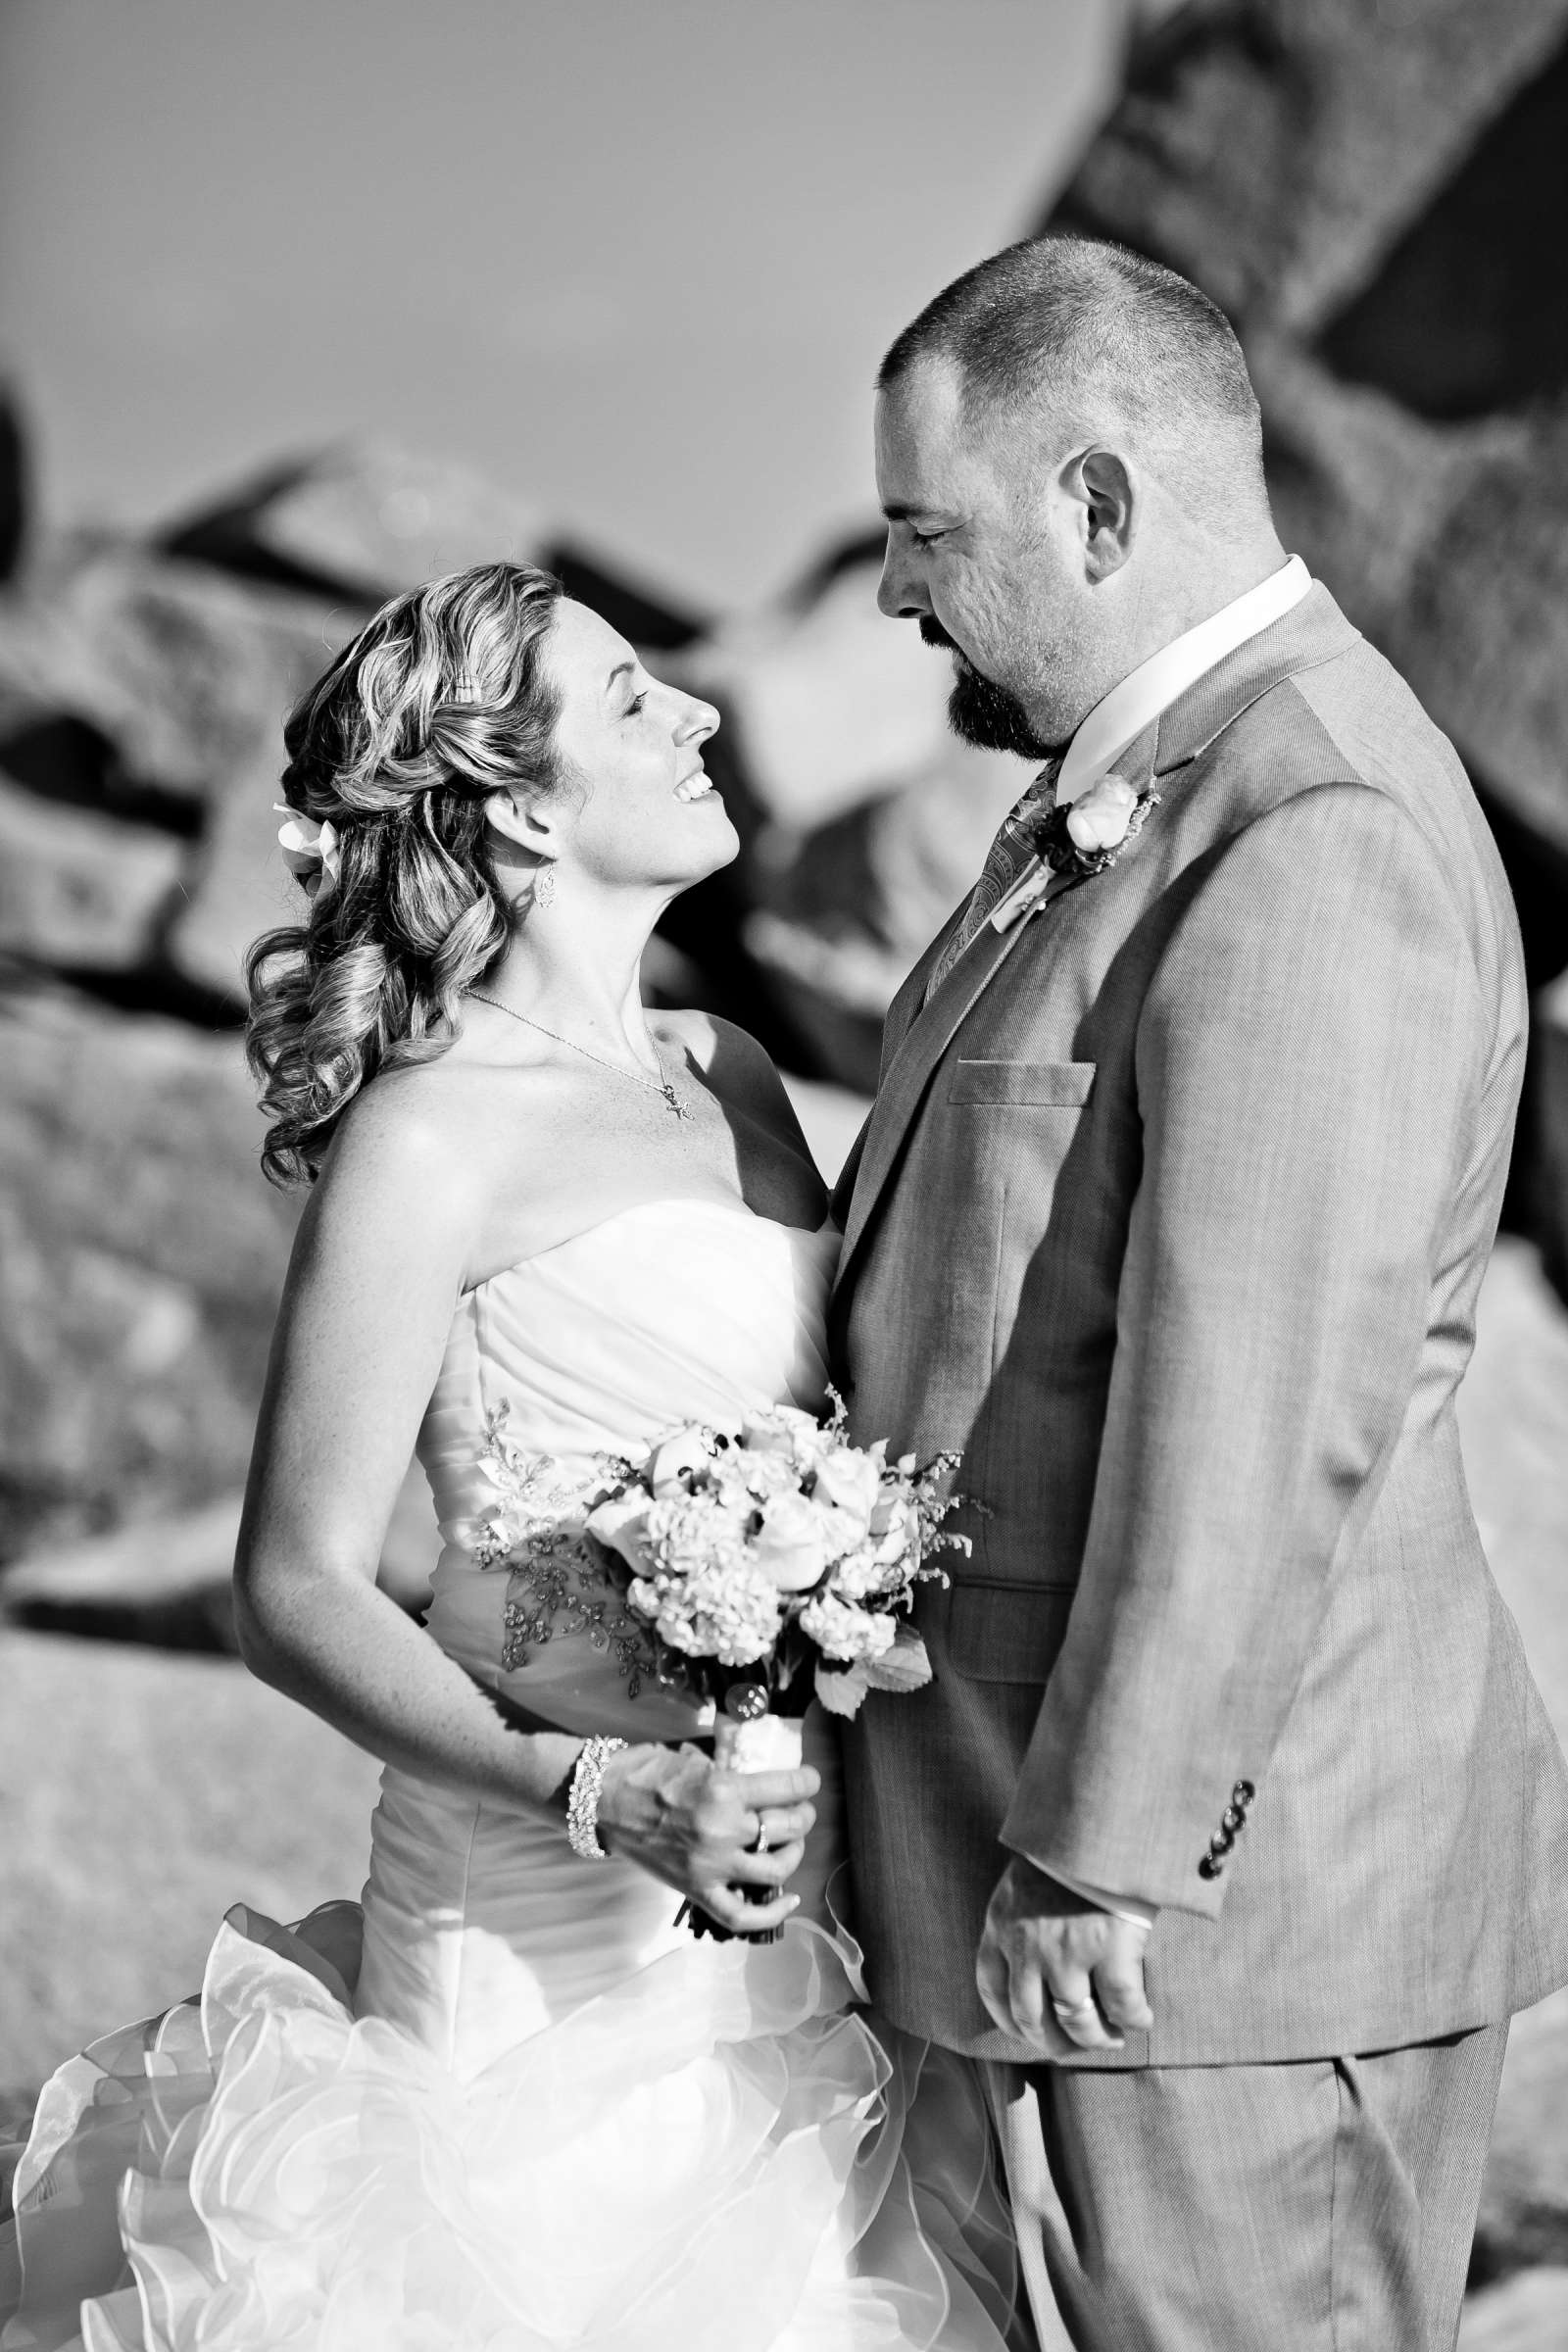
[1007, 1633]
[1063, 1084]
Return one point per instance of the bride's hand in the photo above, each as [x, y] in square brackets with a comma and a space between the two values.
[675, 1814]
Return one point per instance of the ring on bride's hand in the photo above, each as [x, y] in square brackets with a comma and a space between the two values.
[762, 1842]
[1069, 2010]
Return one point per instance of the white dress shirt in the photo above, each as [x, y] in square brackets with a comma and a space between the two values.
[1149, 690]
[1127, 710]
[1152, 687]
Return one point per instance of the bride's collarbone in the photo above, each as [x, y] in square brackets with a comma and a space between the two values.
[558, 1150]
[587, 1172]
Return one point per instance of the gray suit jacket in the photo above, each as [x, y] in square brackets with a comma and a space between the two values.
[1171, 1214]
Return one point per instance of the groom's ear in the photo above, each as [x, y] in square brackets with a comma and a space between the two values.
[1103, 486]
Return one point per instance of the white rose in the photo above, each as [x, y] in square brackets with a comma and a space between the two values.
[853, 1482]
[621, 1526]
[1099, 818]
[789, 1547]
[895, 1523]
[687, 1450]
[777, 1430]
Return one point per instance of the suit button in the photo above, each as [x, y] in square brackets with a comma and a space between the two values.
[1208, 1868]
[1221, 1843]
[1243, 1794]
[1234, 1819]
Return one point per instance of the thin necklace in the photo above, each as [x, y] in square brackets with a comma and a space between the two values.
[661, 1086]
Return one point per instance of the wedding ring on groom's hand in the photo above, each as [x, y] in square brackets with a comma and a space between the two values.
[1070, 2011]
[762, 1842]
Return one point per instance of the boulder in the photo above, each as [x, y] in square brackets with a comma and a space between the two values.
[78, 890]
[1528, 2313]
[168, 669]
[142, 1257]
[167, 1581]
[138, 687]
[239, 886]
[364, 520]
[1278, 151]
[14, 488]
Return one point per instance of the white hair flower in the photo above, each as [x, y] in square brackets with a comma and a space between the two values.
[310, 845]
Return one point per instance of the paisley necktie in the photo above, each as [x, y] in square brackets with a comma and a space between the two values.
[1009, 854]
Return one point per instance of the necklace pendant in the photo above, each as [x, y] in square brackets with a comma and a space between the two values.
[674, 1100]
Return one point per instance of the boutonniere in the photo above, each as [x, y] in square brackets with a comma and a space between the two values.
[1088, 834]
[1082, 838]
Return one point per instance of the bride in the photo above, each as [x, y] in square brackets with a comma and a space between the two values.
[515, 2106]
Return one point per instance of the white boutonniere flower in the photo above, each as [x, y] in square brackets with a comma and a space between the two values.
[1098, 819]
[1087, 834]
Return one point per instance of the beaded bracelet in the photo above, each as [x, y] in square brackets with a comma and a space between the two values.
[582, 1803]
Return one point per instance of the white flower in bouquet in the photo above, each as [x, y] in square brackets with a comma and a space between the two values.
[621, 1525]
[688, 1450]
[852, 1482]
[772, 1429]
[745, 1479]
[726, 1611]
[862, 1572]
[894, 1528]
[696, 1530]
[850, 1636]
[783, 1429]
[790, 1544]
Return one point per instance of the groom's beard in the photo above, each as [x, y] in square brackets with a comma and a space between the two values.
[980, 710]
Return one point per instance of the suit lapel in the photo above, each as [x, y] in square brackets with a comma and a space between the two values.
[902, 1014]
[1315, 631]
[908, 1071]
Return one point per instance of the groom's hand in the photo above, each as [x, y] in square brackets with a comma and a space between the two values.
[1055, 1971]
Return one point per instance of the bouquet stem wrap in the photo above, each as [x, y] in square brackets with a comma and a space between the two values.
[766, 1743]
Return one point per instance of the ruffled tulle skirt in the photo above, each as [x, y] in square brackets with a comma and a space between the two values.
[714, 2152]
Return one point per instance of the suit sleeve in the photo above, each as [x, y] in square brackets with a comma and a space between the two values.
[1308, 1066]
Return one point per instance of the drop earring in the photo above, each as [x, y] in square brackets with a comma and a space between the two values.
[544, 886]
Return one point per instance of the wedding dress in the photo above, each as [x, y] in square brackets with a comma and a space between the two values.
[518, 2108]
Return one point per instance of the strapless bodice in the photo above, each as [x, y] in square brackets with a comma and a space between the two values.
[666, 1313]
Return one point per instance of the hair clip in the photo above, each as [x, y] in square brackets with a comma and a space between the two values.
[310, 845]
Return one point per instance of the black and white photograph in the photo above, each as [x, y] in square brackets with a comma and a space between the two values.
[783, 1176]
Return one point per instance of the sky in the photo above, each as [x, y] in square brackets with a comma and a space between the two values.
[636, 259]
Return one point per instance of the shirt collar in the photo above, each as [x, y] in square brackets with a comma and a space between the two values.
[1134, 706]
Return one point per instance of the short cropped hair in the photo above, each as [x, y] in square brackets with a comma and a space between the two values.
[1086, 327]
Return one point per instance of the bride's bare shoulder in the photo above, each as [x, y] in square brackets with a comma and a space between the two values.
[437, 1132]
[739, 1071]
[729, 1057]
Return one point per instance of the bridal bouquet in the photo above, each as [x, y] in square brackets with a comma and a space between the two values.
[772, 1563]
[776, 1561]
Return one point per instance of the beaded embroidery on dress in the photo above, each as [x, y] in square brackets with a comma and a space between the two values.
[515, 2108]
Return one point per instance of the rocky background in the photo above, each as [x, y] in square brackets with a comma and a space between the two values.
[1376, 196]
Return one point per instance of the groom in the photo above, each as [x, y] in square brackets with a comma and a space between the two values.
[1231, 1828]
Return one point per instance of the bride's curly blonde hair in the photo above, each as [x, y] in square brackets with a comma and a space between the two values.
[442, 700]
